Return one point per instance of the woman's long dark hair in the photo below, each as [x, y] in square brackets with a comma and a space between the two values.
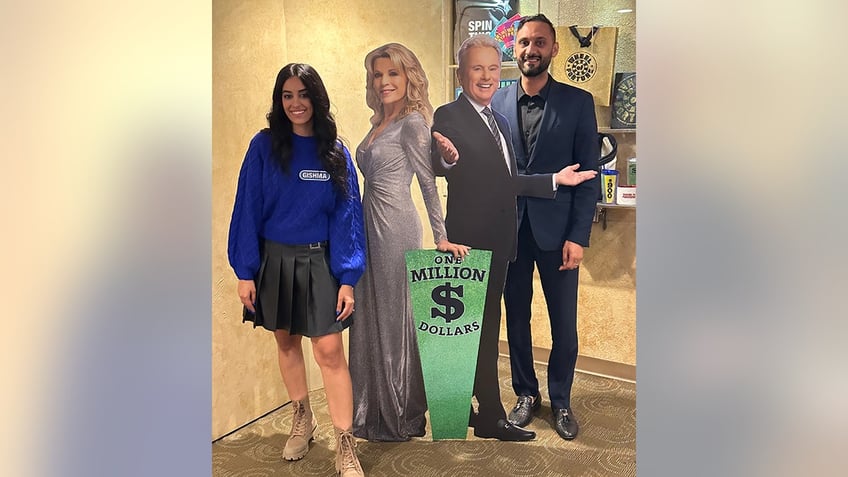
[323, 124]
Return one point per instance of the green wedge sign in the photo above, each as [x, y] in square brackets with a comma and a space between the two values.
[448, 295]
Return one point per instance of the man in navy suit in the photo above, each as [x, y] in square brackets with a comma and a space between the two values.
[553, 125]
[471, 148]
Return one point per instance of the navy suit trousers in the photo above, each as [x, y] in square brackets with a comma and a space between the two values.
[560, 289]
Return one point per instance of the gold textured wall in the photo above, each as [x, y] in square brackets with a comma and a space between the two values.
[248, 42]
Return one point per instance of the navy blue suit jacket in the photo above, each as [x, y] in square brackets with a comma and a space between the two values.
[568, 135]
[482, 192]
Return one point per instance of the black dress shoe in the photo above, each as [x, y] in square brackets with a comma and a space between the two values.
[565, 423]
[522, 413]
[504, 431]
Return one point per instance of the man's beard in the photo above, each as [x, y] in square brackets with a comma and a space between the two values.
[542, 67]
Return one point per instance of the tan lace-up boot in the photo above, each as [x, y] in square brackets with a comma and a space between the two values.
[347, 464]
[302, 431]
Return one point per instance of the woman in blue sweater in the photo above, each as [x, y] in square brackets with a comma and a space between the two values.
[297, 246]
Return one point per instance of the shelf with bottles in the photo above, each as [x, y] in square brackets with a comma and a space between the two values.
[620, 187]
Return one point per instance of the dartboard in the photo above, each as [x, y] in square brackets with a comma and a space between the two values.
[624, 100]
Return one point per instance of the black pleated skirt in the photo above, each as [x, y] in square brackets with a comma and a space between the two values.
[295, 291]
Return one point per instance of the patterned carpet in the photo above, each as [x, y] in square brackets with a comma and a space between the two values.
[606, 445]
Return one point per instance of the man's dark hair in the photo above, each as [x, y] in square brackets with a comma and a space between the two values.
[539, 17]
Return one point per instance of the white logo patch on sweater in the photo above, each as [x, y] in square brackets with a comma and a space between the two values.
[310, 175]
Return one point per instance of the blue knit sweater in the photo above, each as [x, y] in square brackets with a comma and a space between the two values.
[297, 208]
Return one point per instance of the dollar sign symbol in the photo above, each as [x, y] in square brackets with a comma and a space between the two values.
[443, 295]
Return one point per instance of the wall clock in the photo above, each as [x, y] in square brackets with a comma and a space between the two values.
[624, 101]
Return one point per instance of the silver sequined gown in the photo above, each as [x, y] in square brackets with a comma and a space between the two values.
[388, 389]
